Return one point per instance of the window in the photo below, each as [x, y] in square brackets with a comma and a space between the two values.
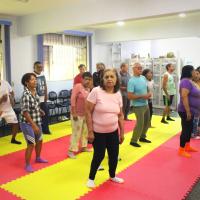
[62, 54]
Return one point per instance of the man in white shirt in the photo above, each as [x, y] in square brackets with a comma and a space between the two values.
[169, 90]
[42, 93]
[6, 110]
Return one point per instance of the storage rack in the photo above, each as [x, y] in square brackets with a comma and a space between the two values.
[157, 65]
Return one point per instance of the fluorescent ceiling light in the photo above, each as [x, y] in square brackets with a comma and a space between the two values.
[120, 23]
[182, 15]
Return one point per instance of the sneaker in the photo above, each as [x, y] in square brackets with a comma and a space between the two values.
[71, 155]
[170, 119]
[47, 133]
[29, 168]
[40, 160]
[13, 141]
[144, 140]
[135, 144]
[100, 168]
[90, 183]
[117, 180]
[164, 122]
[197, 137]
[85, 149]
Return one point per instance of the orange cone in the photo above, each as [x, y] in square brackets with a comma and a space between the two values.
[182, 152]
[189, 148]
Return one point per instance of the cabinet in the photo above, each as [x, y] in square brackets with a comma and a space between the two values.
[157, 65]
[159, 69]
[145, 62]
[116, 55]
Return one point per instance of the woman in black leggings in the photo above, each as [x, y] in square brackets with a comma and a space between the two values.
[188, 107]
[104, 116]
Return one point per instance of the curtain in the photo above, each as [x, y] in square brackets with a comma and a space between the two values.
[62, 55]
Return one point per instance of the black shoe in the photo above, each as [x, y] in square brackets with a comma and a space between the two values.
[170, 119]
[13, 141]
[135, 144]
[144, 140]
[164, 122]
[48, 133]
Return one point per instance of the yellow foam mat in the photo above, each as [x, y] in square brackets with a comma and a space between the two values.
[67, 179]
[58, 130]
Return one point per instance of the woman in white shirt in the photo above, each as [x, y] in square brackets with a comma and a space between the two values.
[147, 73]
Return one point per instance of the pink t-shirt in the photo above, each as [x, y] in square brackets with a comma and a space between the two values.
[106, 110]
[79, 95]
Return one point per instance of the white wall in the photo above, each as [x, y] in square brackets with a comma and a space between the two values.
[23, 55]
[185, 48]
[101, 53]
[135, 47]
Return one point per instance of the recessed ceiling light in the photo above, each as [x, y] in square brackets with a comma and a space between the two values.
[23, 1]
[182, 15]
[120, 23]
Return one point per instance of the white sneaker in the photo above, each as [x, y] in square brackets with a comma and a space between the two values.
[197, 138]
[117, 180]
[71, 155]
[90, 183]
[100, 168]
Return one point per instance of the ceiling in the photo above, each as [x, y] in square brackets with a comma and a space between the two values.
[141, 20]
[26, 7]
[42, 16]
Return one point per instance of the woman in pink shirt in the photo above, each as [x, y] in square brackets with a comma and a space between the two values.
[79, 127]
[104, 116]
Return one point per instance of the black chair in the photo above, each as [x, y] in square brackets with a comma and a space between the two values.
[64, 103]
[52, 104]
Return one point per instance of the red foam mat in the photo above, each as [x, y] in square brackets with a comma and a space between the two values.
[4, 195]
[160, 175]
[12, 165]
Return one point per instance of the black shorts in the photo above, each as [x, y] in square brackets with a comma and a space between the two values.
[168, 102]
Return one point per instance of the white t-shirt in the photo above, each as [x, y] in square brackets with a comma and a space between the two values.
[150, 85]
[5, 88]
